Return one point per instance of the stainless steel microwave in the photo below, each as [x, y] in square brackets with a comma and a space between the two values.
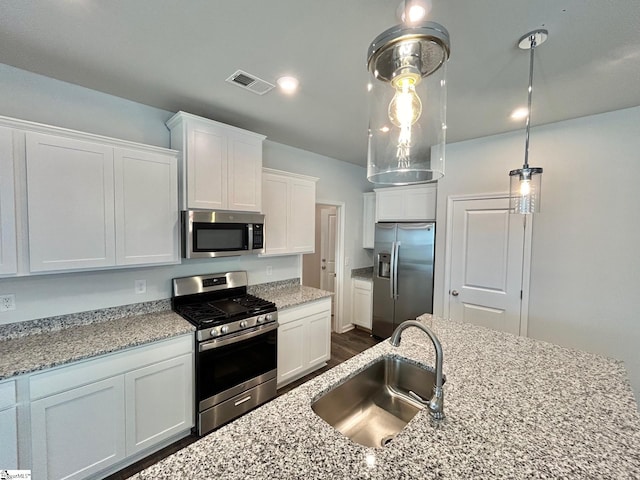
[221, 234]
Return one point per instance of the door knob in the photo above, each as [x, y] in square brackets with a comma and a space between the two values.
[324, 267]
[454, 293]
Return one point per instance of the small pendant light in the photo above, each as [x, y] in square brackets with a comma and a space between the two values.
[524, 189]
[407, 94]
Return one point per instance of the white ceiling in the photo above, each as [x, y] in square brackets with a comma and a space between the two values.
[176, 55]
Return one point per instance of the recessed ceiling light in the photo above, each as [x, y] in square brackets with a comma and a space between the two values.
[369, 86]
[288, 84]
[519, 113]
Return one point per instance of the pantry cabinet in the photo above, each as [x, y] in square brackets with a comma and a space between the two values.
[413, 203]
[221, 166]
[289, 202]
[8, 236]
[304, 339]
[94, 414]
[94, 205]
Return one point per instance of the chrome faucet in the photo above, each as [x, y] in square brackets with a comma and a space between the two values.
[436, 404]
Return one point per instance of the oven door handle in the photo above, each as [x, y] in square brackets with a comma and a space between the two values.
[221, 342]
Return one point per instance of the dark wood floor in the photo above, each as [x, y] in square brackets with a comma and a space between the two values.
[343, 347]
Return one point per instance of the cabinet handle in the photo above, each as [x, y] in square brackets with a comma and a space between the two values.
[454, 293]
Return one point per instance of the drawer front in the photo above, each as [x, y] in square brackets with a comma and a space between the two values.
[305, 310]
[7, 394]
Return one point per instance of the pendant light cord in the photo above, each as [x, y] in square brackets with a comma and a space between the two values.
[532, 38]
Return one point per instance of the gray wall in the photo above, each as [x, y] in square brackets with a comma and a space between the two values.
[585, 267]
[28, 96]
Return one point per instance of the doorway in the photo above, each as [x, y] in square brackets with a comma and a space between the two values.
[322, 269]
[488, 261]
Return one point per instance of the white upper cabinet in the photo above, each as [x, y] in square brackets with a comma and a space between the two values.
[368, 219]
[413, 204]
[146, 196]
[83, 201]
[221, 165]
[71, 203]
[8, 252]
[289, 202]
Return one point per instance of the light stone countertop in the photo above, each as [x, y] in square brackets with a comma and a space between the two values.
[516, 408]
[288, 294]
[365, 273]
[53, 347]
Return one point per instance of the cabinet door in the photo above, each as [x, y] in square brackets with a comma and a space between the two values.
[70, 197]
[275, 206]
[318, 338]
[245, 173]
[368, 220]
[78, 432]
[9, 443]
[302, 232]
[159, 402]
[420, 204]
[8, 252]
[206, 157]
[291, 346]
[362, 307]
[146, 208]
[389, 205]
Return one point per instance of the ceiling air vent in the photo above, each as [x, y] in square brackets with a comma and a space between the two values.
[250, 82]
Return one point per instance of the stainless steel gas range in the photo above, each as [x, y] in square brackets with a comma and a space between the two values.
[236, 345]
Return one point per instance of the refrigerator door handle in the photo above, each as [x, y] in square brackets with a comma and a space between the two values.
[391, 264]
[396, 248]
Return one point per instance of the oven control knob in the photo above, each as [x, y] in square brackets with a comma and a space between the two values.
[243, 324]
[224, 329]
[260, 319]
[269, 317]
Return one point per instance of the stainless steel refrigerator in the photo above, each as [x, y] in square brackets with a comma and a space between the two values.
[403, 274]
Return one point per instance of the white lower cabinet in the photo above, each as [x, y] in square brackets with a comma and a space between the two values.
[78, 432]
[156, 405]
[8, 426]
[362, 303]
[92, 415]
[304, 339]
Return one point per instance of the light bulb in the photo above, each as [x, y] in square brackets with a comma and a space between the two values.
[405, 107]
[405, 110]
[525, 187]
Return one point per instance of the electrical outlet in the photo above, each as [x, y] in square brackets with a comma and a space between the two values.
[7, 302]
[140, 286]
[269, 271]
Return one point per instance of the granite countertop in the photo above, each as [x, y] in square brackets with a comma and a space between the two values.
[47, 343]
[288, 293]
[365, 273]
[516, 408]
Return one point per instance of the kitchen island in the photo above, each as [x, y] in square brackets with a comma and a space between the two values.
[515, 408]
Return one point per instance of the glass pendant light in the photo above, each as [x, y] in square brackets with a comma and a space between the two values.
[407, 122]
[524, 186]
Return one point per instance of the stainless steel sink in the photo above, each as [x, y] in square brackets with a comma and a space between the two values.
[375, 405]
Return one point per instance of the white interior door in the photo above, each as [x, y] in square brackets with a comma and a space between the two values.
[328, 250]
[486, 262]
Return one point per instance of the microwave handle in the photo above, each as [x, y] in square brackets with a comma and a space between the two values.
[221, 342]
[250, 233]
